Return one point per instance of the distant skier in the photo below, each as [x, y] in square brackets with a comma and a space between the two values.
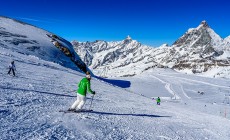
[158, 100]
[83, 87]
[12, 67]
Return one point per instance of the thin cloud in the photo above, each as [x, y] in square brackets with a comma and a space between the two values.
[39, 20]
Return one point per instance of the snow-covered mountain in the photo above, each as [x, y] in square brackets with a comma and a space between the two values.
[30, 40]
[199, 50]
[122, 58]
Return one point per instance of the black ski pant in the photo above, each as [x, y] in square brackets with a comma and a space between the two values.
[10, 71]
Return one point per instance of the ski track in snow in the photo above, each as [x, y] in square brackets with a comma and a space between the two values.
[197, 81]
[167, 87]
[185, 94]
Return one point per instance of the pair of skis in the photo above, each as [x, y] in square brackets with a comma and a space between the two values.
[76, 111]
[79, 111]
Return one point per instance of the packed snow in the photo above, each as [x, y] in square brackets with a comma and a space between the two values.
[30, 104]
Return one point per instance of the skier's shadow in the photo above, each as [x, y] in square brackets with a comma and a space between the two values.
[127, 114]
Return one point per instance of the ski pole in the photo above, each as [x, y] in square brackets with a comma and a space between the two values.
[91, 103]
[90, 107]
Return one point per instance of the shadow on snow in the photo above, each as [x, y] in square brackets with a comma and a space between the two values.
[126, 114]
[29, 90]
[119, 83]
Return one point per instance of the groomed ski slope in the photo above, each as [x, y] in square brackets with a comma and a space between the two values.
[30, 103]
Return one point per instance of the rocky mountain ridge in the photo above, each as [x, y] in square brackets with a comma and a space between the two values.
[197, 51]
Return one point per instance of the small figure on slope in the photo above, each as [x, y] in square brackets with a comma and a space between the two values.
[12, 67]
[83, 87]
[158, 100]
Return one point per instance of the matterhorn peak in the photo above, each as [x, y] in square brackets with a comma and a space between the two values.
[204, 23]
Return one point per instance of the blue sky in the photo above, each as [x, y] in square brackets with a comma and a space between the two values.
[152, 22]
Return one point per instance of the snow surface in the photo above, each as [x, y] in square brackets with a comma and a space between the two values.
[30, 103]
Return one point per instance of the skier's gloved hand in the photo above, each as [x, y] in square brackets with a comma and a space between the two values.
[94, 92]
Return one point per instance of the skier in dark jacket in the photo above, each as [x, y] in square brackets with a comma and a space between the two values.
[12, 67]
[83, 88]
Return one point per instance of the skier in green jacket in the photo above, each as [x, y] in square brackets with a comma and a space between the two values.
[158, 101]
[83, 88]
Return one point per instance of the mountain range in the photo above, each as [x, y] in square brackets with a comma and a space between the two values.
[199, 51]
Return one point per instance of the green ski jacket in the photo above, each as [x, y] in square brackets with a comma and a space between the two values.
[158, 100]
[84, 86]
